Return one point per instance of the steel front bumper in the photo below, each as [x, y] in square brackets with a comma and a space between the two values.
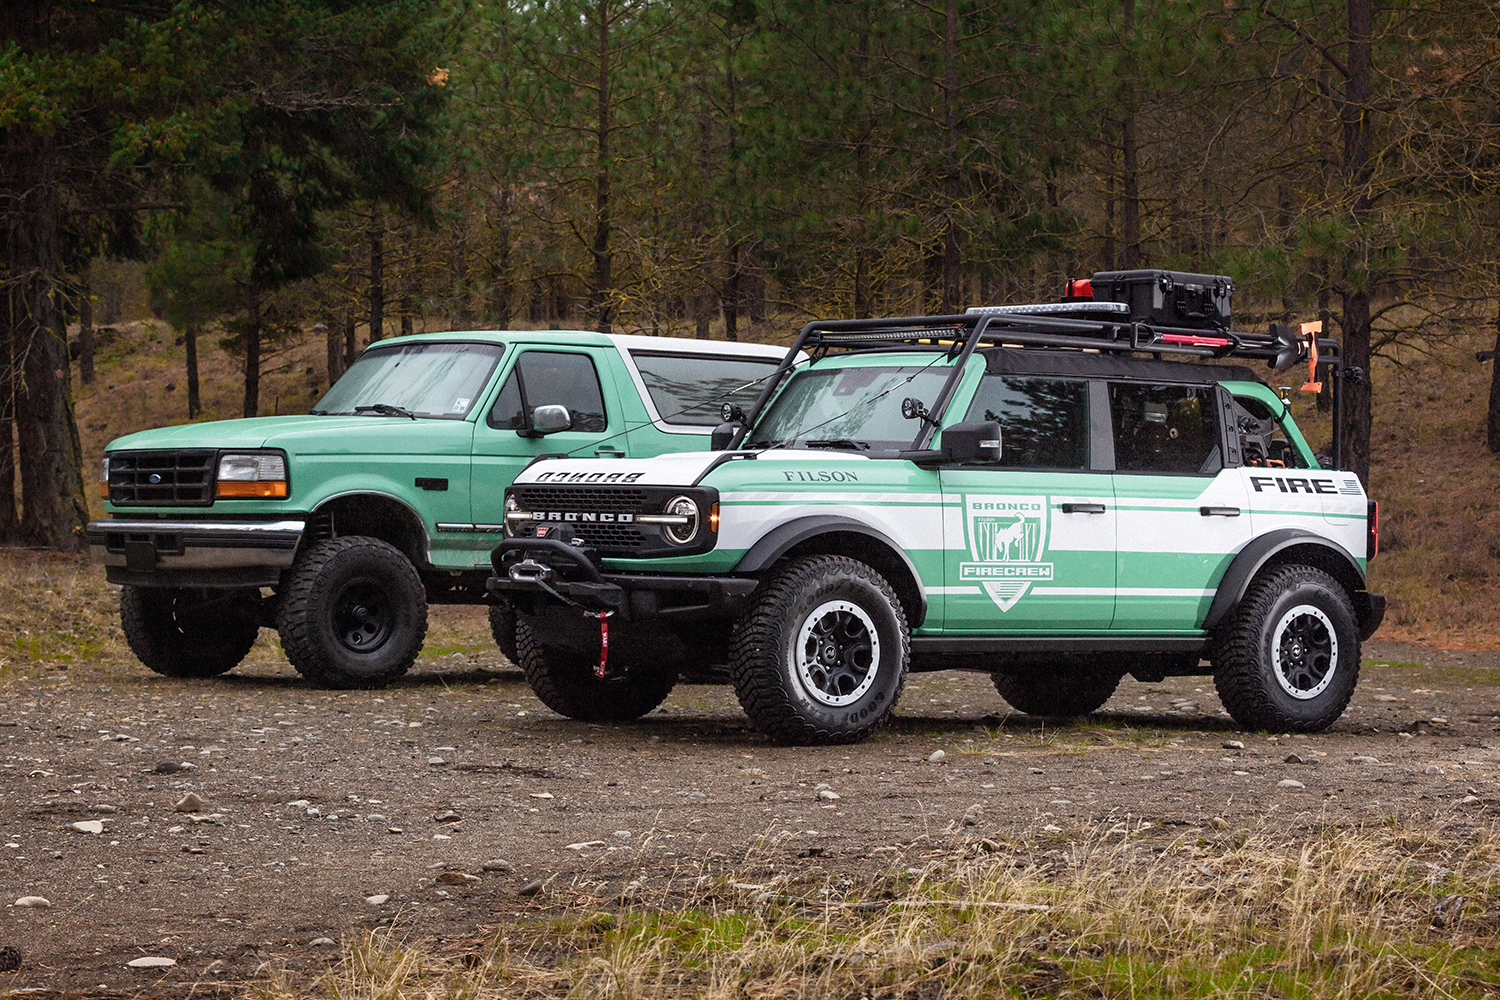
[545, 570]
[195, 553]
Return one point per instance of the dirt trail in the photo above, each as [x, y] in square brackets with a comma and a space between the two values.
[315, 804]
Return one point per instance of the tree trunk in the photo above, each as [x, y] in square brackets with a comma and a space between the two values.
[351, 343]
[86, 337]
[377, 275]
[1354, 115]
[952, 256]
[53, 510]
[1130, 181]
[1492, 428]
[190, 342]
[729, 298]
[600, 282]
[333, 349]
[10, 523]
[252, 360]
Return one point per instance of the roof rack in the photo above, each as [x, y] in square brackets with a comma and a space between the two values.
[1104, 327]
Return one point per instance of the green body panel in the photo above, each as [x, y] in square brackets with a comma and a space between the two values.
[333, 456]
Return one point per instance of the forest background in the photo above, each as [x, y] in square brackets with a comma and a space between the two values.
[264, 173]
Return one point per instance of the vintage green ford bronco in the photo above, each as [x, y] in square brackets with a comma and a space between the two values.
[1030, 491]
[339, 527]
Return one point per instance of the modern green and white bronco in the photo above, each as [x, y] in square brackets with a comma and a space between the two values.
[339, 527]
[1028, 491]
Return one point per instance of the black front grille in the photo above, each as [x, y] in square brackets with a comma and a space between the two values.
[161, 478]
[611, 499]
[609, 539]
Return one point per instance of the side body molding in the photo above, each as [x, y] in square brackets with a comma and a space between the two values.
[1263, 550]
[784, 537]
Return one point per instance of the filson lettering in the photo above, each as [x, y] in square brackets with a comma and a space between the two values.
[588, 477]
[1293, 484]
[821, 476]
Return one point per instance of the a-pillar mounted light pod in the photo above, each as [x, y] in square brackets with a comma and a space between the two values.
[1311, 331]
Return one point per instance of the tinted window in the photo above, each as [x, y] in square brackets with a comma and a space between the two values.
[1165, 428]
[1044, 422]
[430, 380]
[543, 378]
[690, 389]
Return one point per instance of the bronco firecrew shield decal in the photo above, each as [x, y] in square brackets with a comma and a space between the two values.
[1007, 538]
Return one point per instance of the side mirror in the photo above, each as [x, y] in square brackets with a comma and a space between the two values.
[973, 441]
[550, 419]
[723, 436]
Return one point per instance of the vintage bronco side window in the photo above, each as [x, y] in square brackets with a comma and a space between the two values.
[1165, 428]
[1044, 422]
[544, 378]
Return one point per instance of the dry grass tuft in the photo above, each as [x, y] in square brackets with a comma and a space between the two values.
[1396, 911]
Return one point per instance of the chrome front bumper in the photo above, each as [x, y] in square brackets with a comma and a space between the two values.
[195, 553]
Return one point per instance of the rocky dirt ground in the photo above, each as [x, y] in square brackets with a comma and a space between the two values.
[453, 802]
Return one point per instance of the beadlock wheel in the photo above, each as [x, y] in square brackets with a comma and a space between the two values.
[1304, 652]
[838, 653]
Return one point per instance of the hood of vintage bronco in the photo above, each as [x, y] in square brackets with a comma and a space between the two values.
[308, 435]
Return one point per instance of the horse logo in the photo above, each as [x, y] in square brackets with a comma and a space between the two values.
[1007, 538]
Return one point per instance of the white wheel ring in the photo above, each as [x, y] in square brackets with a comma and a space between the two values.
[1278, 634]
[808, 659]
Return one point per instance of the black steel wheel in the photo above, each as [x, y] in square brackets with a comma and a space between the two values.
[1288, 659]
[353, 613]
[190, 632]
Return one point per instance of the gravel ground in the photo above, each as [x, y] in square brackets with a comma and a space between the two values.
[251, 823]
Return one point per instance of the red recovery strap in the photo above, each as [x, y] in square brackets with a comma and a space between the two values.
[1311, 331]
[603, 644]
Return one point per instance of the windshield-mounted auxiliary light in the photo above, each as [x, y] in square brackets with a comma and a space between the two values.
[680, 521]
[255, 475]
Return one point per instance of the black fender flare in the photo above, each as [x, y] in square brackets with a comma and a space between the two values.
[784, 537]
[1254, 557]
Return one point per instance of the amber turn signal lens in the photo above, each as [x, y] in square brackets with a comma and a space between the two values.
[230, 488]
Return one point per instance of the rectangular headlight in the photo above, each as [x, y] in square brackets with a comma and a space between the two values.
[254, 475]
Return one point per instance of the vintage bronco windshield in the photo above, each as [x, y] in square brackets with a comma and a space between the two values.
[857, 408]
[422, 380]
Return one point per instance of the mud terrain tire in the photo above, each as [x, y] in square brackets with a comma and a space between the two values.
[503, 628]
[353, 613]
[1288, 659]
[821, 654]
[189, 633]
[565, 682]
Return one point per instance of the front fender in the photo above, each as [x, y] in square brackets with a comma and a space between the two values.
[785, 537]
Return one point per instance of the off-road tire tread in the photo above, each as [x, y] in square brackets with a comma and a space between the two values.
[763, 698]
[564, 681]
[299, 639]
[157, 643]
[503, 629]
[1066, 694]
[1243, 683]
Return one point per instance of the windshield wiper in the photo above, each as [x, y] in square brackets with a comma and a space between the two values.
[386, 410]
[759, 445]
[318, 413]
[848, 443]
